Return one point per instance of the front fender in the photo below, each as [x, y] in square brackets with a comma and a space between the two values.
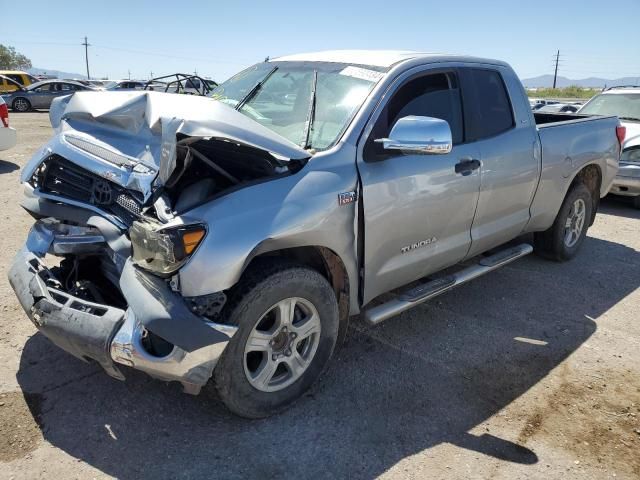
[294, 211]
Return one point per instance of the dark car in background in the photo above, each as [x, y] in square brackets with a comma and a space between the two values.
[127, 85]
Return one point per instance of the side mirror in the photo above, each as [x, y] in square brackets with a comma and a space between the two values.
[419, 135]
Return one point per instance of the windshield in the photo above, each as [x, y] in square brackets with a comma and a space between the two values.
[624, 105]
[308, 103]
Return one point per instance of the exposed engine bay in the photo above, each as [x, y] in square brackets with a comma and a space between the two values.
[205, 168]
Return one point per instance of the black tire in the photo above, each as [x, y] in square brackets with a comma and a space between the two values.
[21, 104]
[636, 202]
[552, 243]
[263, 286]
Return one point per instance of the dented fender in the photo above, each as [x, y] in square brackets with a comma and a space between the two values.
[302, 209]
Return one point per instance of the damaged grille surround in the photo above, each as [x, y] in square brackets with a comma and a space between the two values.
[58, 176]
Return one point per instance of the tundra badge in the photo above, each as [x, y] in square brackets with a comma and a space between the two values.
[422, 243]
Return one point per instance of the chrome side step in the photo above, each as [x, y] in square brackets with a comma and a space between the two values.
[426, 291]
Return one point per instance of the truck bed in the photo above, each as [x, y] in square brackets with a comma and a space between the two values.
[544, 119]
[568, 142]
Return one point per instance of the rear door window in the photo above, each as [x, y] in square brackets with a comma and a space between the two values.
[487, 107]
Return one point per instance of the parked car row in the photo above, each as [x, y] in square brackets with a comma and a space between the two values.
[23, 92]
[553, 106]
[560, 108]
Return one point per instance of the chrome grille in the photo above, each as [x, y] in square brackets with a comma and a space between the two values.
[66, 179]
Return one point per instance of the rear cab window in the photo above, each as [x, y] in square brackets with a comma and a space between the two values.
[488, 110]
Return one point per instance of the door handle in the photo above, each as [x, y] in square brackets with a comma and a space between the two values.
[466, 166]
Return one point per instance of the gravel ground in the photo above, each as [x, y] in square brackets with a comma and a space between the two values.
[530, 372]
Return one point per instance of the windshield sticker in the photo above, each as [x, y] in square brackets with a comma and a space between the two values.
[362, 73]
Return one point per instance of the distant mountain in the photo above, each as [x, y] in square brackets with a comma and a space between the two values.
[546, 81]
[56, 73]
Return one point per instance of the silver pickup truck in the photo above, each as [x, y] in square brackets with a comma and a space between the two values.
[234, 236]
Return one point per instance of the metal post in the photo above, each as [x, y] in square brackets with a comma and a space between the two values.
[86, 55]
[555, 75]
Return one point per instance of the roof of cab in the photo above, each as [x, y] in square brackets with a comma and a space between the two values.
[377, 58]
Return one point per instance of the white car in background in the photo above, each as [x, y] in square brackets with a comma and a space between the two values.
[625, 103]
[7, 133]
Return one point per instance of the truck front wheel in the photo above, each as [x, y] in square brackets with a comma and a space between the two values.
[288, 325]
[562, 241]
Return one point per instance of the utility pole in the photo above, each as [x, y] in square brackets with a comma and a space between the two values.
[129, 74]
[86, 55]
[555, 75]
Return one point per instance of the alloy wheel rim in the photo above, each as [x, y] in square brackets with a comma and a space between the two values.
[282, 344]
[575, 222]
[21, 104]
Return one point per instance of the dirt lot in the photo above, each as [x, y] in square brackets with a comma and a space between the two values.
[530, 372]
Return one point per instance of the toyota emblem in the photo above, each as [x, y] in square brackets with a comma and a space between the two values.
[102, 192]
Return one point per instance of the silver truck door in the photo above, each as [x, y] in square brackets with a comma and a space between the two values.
[417, 210]
[498, 121]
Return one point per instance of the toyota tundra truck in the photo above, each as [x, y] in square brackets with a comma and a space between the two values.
[230, 239]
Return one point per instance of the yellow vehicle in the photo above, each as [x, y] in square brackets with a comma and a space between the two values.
[23, 78]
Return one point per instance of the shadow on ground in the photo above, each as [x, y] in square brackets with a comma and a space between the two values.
[427, 377]
[7, 167]
[619, 206]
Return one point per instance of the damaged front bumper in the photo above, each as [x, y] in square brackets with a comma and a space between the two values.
[109, 335]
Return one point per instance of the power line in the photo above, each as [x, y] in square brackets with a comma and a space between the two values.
[210, 60]
[177, 57]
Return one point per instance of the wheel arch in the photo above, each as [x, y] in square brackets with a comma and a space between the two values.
[326, 262]
[591, 176]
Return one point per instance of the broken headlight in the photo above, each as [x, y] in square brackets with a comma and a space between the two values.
[164, 251]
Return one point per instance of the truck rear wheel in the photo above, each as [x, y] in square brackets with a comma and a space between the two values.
[562, 241]
[288, 326]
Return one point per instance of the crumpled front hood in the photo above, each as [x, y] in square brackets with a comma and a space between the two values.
[133, 134]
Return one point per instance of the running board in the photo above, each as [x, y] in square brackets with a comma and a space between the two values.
[426, 291]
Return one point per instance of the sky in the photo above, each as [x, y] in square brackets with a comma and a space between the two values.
[218, 39]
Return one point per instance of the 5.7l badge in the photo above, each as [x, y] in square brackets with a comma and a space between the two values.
[346, 198]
